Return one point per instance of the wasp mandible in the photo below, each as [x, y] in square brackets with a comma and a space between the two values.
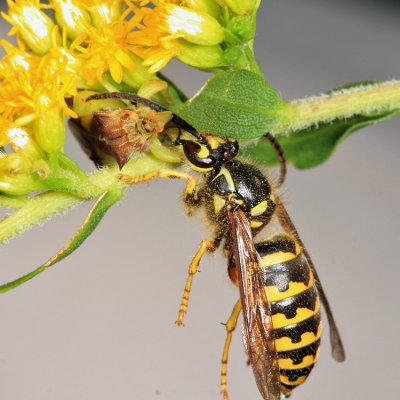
[280, 292]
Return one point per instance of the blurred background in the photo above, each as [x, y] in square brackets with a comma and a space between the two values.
[100, 325]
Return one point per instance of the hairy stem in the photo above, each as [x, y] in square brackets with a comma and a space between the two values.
[339, 104]
[45, 205]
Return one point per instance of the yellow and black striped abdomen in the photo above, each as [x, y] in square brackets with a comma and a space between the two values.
[295, 310]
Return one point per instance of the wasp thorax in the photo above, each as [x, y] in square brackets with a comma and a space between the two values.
[240, 184]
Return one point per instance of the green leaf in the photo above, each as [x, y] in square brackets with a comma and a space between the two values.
[238, 104]
[105, 201]
[311, 147]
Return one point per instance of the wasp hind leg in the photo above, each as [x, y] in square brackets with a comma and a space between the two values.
[230, 327]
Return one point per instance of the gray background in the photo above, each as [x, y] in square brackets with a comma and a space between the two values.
[100, 325]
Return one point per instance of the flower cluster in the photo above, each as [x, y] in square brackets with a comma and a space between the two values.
[96, 45]
[201, 33]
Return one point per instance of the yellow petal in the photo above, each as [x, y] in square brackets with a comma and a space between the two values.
[25, 119]
[115, 70]
[125, 60]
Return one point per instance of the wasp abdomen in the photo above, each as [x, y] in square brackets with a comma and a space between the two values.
[295, 312]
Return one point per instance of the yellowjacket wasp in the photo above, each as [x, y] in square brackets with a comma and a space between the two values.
[280, 291]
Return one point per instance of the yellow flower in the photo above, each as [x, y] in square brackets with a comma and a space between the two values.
[29, 89]
[35, 28]
[106, 49]
[34, 92]
[157, 40]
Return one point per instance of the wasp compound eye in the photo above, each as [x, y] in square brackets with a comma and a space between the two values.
[229, 150]
[194, 154]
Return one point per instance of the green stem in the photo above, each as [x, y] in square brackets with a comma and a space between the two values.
[340, 104]
[9, 201]
[45, 205]
[252, 61]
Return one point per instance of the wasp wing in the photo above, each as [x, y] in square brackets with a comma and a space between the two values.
[337, 347]
[258, 332]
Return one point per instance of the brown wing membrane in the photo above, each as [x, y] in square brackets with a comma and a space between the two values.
[257, 319]
[338, 352]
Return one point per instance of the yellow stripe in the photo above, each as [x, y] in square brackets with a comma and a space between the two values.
[285, 343]
[255, 224]
[279, 320]
[259, 209]
[276, 258]
[198, 169]
[280, 257]
[287, 363]
[228, 178]
[294, 288]
[219, 202]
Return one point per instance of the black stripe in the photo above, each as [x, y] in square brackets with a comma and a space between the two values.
[288, 387]
[281, 242]
[297, 355]
[295, 331]
[288, 307]
[294, 374]
[280, 275]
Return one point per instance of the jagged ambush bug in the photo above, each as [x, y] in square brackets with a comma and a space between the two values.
[118, 132]
[280, 292]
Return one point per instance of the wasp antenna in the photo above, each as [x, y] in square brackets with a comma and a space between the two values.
[134, 98]
[281, 156]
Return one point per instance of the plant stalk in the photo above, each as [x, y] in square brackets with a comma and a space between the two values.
[341, 104]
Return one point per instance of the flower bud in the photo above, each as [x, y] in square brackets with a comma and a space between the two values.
[240, 7]
[139, 76]
[194, 26]
[203, 57]
[34, 26]
[22, 142]
[106, 12]
[15, 163]
[70, 17]
[208, 6]
[16, 176]
[20, 184]
[242, 27]
[49, 129]
[151, 87]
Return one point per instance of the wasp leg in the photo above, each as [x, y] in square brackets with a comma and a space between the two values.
[230, 327]
[189, 195]
[204, 246]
